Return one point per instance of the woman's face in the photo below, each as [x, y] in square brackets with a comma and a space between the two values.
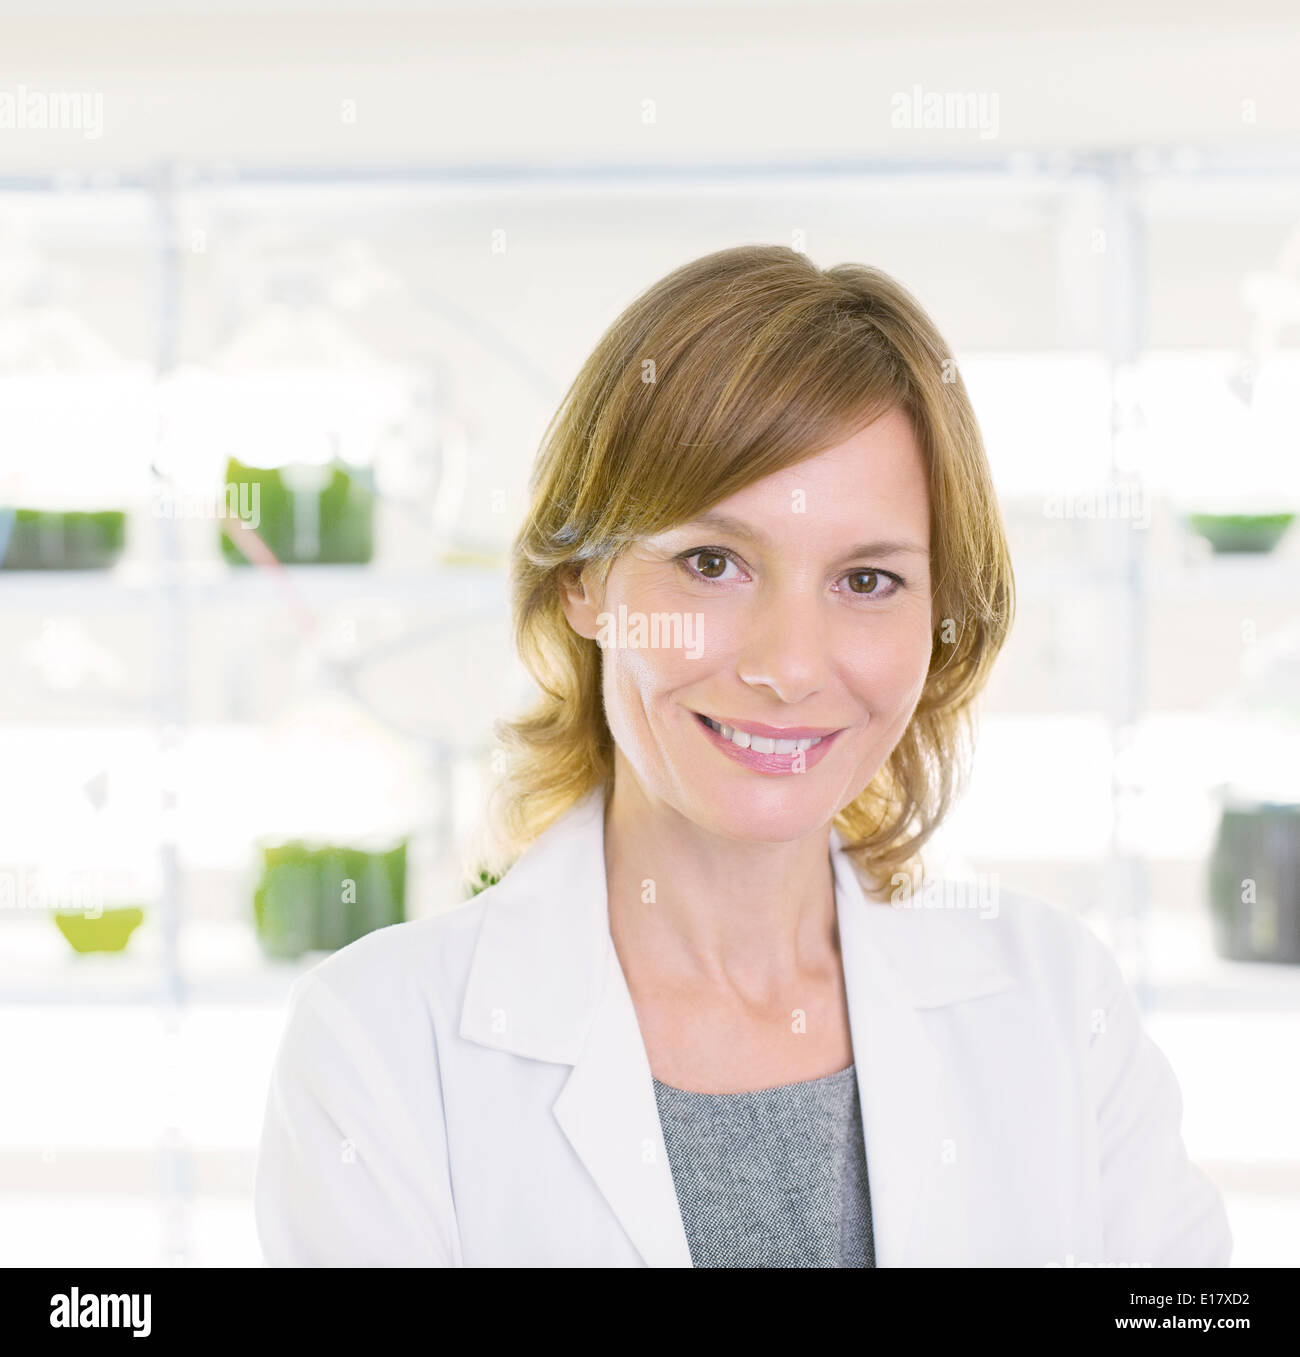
[806, 612]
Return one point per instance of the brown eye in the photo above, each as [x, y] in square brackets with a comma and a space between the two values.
[871, 575]
[706, 569]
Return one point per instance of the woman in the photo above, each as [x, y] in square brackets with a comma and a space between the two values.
[710, 1014]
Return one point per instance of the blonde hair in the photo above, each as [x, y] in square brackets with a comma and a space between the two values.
[734, 366]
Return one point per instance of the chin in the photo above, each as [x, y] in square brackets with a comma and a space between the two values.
[766, 815]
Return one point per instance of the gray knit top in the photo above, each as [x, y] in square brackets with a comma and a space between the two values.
[772, 1178]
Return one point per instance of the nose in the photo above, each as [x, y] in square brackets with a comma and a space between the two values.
[786, 649]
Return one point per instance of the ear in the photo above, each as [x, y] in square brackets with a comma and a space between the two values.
[579, 600]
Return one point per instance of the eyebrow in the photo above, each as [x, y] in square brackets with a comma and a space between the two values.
[725, 523]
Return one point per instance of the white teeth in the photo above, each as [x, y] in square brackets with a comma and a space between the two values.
[761, 744]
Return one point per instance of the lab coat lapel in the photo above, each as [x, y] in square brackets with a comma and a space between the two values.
[897, 963]
[546, 983]
[608, 1111]
[896, 1081]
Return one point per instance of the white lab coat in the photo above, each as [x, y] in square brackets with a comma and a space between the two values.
[471, 1090]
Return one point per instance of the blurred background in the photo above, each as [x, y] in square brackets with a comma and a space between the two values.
[288, 292]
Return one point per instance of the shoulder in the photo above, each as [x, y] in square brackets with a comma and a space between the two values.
[1031, 930]
[978, 934]
[395, 975]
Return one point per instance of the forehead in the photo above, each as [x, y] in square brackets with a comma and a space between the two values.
[876, 479]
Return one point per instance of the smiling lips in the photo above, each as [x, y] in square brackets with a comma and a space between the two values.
[765, 754]
[763, 740]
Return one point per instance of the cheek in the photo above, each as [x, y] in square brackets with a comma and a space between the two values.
[889, 664]
[635, 680]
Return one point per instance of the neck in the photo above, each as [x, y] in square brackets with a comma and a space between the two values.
[693, 909]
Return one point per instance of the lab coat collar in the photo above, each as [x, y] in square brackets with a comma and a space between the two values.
[545, 983]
